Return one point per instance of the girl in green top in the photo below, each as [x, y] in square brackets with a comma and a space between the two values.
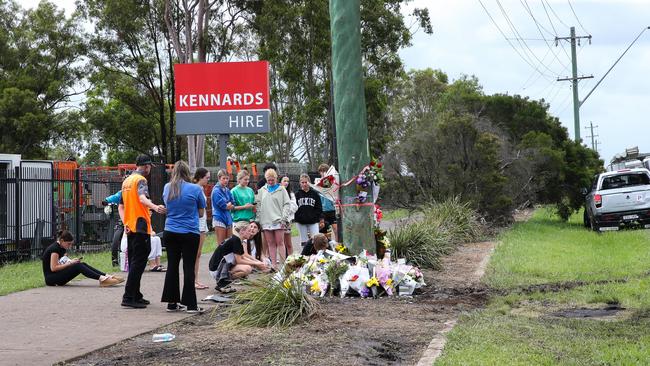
[244, 211]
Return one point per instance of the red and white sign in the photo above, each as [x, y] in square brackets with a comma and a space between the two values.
[223, 97]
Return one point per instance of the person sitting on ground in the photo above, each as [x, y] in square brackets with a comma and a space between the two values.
[314, 245]
[58, 269]
[229, 261]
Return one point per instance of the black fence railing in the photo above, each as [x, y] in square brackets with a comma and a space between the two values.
[39, 200]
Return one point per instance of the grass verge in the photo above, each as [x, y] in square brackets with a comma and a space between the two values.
[582, 269]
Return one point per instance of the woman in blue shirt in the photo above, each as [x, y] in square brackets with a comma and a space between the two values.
[185, 204]
[222, 203]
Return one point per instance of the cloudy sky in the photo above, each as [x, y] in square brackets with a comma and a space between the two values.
[467, 41]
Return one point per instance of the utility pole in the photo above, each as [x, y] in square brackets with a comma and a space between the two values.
[350, 117]
[574, 79]
[593, 137]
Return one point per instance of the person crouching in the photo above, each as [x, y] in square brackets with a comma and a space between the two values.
[229, 261]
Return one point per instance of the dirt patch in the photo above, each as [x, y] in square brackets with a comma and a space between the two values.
[523, 214]
[611, 310]
[350, 331]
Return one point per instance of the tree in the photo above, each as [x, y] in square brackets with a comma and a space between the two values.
[39, 71]
[294, 37]
[497, 152]
[208, 29]
[130, 104]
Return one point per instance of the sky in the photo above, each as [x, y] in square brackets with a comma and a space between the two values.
[467, 41]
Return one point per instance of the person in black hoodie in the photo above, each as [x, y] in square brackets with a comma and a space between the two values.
[310, 210]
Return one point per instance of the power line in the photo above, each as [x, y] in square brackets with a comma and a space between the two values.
[575, 15]
[554, 13]
[514, 29]
[525, 85]
[555, 30]
[539, 28]
[510, 43]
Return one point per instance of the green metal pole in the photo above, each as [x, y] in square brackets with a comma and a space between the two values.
[351, 126]
[574, 84]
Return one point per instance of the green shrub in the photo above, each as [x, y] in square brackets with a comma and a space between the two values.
[455, 218]
[418, 244]
[444, 226]
[272, 304]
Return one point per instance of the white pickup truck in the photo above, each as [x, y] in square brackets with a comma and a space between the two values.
[619, 198]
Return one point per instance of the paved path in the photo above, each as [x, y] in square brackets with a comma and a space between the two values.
[46, 325]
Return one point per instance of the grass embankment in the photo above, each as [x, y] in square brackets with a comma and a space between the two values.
[585, 270]
[26, 275]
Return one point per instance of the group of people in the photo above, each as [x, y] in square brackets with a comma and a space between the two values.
[240, 217]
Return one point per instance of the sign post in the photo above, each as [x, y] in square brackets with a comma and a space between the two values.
[222, 98]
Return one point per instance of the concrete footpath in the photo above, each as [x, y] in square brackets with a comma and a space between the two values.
[46, 325]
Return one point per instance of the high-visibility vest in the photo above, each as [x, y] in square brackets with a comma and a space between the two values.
[133, 208]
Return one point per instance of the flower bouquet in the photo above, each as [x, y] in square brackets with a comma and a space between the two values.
[375, 173]
[342, 249]
[327, 182]
[293, 263]
[334, 270]
[372, 286]
[384, 276]
[356, 278]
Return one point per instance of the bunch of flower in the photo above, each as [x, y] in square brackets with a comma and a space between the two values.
[327, 181]
[363, 180]
[362, 196]
[334, 270]
[417, 275]
[379, 215]
[371, 287]
[384, 279]
[376, 172]
[315, 288]
[342, 249]
[294, 262]
[373, 281]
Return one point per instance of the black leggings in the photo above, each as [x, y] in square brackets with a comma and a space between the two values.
[64, 276]
[180, 246]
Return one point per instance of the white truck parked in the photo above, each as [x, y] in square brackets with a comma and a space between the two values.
[617, 199]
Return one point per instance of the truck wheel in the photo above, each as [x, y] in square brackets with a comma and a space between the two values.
[585, 219]
[594, 226]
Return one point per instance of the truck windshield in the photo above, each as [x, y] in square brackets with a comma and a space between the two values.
[625, 180]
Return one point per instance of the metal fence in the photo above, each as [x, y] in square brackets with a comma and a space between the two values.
[38, 201]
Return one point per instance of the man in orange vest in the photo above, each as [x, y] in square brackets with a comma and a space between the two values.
[135, 206]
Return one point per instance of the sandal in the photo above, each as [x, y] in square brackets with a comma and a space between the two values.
[200, 286]
[158, 269]
[225, 290]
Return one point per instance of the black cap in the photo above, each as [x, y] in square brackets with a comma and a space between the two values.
[143, 160]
